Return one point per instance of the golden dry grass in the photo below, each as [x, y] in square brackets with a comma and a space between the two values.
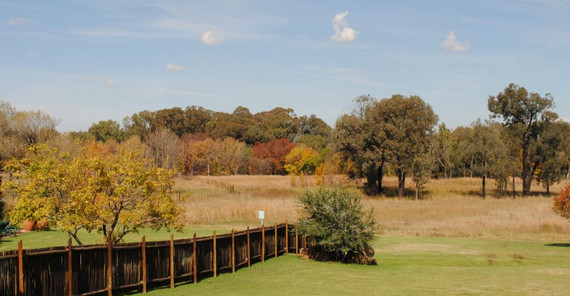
[450, 207]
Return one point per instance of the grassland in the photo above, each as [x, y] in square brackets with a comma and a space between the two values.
[449, 208]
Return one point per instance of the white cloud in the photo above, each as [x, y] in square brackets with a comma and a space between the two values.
[31, 53]
[173, 67]
[110, 82]
[209, 38]
[451, 44]
[342, 33]
[19, 21]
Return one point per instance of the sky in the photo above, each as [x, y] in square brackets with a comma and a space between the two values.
[86, 61]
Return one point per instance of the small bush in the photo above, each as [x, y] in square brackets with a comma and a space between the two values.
[562, 202]
[7, 229]
[337, 224]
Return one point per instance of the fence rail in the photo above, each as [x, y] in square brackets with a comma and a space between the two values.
[107, 269]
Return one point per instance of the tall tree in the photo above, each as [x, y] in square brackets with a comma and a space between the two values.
[442, 145]
[523, 113]
[553, 150]
[488, 151]
[404, 124]
[361, 146]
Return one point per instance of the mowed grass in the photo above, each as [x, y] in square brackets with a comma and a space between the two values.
[407, 266]
[52, 238]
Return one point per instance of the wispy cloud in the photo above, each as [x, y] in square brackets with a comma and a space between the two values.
[209, 38]
[451, 44]
[110, 82]
[342, 33]
[19, 21]
[174, 67]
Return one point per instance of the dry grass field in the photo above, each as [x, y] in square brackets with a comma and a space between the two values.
[449, 208]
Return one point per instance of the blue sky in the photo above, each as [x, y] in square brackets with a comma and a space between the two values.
[86, 61]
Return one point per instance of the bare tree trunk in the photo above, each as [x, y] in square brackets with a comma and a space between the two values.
[514, 192]
[401, 183]
[380, 176]
[483, 193]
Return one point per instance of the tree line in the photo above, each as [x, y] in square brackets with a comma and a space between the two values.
[398, 136]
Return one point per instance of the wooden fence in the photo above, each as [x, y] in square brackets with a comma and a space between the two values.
[107, 269]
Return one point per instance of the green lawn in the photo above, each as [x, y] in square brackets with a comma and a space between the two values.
[407, 266]
[43, 239]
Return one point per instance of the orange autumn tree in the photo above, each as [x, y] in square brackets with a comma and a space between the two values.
[562, 202]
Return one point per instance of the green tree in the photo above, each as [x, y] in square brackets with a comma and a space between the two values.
[360, 146]
[553, 150]
[421, 170]
[442, 146]
[403, 125]
[335, 220]
[488, 151]
[524, 114]
[106, 130]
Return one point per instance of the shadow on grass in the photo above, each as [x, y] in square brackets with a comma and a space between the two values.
[564, 245]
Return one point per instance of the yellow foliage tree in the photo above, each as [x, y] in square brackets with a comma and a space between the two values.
[112, 193]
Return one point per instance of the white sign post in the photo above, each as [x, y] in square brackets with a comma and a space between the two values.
[261, 216]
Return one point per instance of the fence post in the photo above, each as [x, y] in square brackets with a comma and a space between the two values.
[286, 237]
[233, 257]
[69, 268]
[194, 263]
[171, 261]
[214, 258]
[248, 249]
[275, 241]
[262, 243]
[20, 268]
[109, 267]
[143, 253]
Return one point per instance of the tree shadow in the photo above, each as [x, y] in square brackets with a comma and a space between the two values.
[390, 192]
[563, 245]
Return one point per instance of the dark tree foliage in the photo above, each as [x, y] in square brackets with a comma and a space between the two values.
[335, 220]
[106, 130]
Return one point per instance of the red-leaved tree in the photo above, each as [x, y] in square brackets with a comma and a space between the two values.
[562, 202]
[273, 153]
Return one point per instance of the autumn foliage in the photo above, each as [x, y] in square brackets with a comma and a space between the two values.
[562, 202]
[274, 152]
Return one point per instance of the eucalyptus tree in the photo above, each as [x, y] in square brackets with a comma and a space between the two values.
[524, 114]
[402, 126]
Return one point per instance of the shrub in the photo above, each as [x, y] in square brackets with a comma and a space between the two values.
[7, 229]
[335, 221]
[562, 202]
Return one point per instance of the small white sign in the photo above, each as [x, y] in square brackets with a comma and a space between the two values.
[261, 215]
